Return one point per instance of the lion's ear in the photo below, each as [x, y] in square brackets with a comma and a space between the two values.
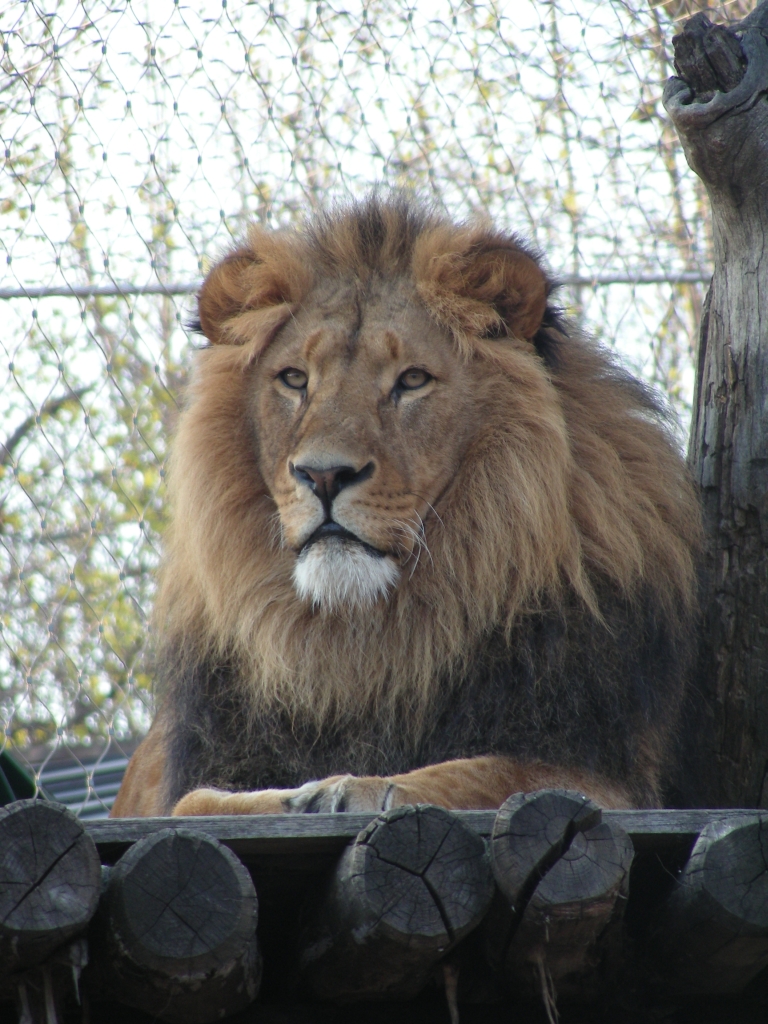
[480, 284]
[265, 273]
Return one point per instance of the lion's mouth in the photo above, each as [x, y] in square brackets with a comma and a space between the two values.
[343, 570]
[335, 531]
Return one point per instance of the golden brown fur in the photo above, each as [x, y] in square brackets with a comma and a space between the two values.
[541, 483]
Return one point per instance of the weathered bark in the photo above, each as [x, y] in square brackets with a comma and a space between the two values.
[720, 110]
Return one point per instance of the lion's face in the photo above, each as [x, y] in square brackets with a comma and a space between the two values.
[370, 357]
[363, 409]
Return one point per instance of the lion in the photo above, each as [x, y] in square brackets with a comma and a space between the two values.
[429, 543]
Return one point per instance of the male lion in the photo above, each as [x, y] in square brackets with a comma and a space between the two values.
[427, 539]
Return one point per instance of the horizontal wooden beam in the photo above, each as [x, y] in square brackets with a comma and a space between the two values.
[301, 836]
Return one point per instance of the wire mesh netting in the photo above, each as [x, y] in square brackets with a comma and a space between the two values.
[138, 138]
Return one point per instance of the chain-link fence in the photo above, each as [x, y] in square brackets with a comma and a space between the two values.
[138, 137]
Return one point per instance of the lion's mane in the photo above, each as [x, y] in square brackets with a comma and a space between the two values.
[553, 617]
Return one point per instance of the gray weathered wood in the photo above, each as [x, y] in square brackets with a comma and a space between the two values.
[708, 57]
[176, 933]
[531, 832]
[50, 879]
[712, 934]
[318, 839]
[410, 887]
[720, 112]
[564, 873]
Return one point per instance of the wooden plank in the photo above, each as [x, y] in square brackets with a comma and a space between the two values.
[290, 838]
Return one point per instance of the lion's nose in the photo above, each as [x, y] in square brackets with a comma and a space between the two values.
[326, 483]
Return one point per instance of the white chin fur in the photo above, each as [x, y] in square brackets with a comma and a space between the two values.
[334, 573]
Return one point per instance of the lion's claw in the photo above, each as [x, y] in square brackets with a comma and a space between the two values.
[345, 793]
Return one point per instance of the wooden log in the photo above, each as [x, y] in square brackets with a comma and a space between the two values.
[50, 879]
[712, 933]
[531, 832]
[410, 887]
[564, 876]
[176, 933]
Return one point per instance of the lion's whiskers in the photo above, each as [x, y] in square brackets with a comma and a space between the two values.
[276, 530]
[418, 538]
[430, 506]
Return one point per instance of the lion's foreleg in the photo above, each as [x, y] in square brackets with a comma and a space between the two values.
[480, 783]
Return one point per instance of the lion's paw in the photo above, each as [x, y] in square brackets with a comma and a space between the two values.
[344, 793]
[328, 796]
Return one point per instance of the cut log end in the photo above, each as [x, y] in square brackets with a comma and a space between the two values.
[712, 934]
[50, 879]
[565, 875]
[413, 884]
[179, 928]
[531, 832]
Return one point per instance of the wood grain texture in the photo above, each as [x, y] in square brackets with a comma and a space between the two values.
[708, 57]
[720, 112]
[542, 834]
[531, 833]
[176, 932]
[50, 879]
[413, 884]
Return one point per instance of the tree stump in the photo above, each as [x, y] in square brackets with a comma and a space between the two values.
[50, 879]
[718, 107]
[564, 875]
[176, 934]
[410, 887]
[712, 934]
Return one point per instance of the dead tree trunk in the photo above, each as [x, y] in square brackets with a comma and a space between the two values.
[719, 106]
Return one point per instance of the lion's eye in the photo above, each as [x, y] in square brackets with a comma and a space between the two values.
[413, 379]
[294, 378]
